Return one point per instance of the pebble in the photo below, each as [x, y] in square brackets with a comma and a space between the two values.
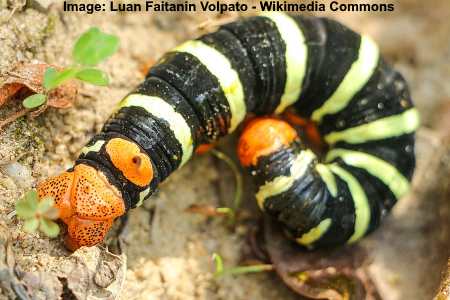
[20, 174]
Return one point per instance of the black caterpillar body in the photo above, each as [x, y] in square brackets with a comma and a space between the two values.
[203, 89]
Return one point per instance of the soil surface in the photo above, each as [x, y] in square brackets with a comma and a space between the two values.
[167, 251]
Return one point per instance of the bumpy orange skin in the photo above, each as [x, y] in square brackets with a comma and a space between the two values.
[88, 204]
[128, 158]
[263, 136]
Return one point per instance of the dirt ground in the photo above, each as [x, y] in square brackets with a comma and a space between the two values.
[167, 250]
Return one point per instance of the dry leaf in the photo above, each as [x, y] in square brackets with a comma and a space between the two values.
[335, 274]
[24, 80]
[63, 96]
[27, 78]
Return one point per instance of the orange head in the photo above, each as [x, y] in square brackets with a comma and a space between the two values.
[263, 136]
[87, 202]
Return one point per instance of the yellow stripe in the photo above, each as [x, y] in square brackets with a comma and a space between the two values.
[163, 110]
[142, 196]
[359, 74]
[315, 233]
[328, 178]
[296, 57]
[379, 168]
[392, 126]
[282, 183]
[221, 68]
[93, 148]
[362, 209]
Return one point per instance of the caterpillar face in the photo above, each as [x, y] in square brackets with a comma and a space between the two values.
[87, 202]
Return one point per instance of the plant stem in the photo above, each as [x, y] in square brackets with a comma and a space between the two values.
[237, 176]
[245, 270]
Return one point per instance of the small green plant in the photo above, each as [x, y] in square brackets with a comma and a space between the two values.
[231, 211]
[222, 271]
[91, 48]
[38, 214]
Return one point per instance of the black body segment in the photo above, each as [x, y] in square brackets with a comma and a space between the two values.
[200, 88]
[226, 43]
[265, 48]
[398, 151]
[331, 58]
[315, 34]
[341, 211]
[385, 94]
[157, 87]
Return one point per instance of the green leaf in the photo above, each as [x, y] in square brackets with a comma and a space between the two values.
[31, 225]
[219, 264]
[54, 78]
[226, 211]
[94, 46]
[34, 101]
[93, 76]
[27, 206]
[45, 204]
[50, 228]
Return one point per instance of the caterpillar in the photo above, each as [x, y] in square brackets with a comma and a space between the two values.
[203, 89]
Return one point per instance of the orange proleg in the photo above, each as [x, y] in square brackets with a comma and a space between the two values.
[204, 148]
[310, 129]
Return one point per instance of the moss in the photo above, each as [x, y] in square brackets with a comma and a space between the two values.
[51, 25]
[28, 139]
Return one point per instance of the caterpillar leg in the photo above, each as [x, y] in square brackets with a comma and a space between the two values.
[87, 202]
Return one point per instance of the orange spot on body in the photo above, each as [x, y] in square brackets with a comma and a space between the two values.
[144, 67]
[263, 136]
[294, 119]
[204, 148]
[309, 128]
[87, 202]
[128, 158]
